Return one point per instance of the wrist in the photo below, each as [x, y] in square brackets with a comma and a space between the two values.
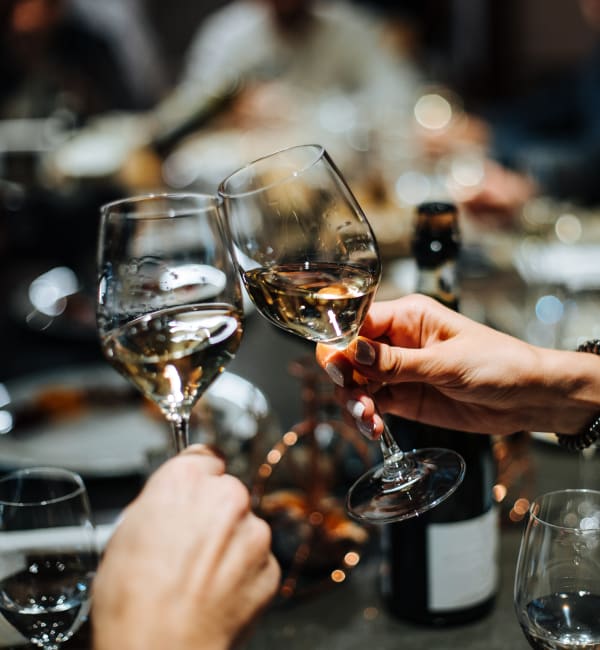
[573, 383]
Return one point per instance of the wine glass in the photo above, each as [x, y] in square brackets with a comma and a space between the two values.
[169, 306]
[557, 583]
[48, 554]
[310, 262]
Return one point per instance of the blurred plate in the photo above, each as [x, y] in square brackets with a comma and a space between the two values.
[574, 266]
[204, 159]
[91, 421]
[99, 150]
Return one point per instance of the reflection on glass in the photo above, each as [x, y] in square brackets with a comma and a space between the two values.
[557, 583]
[48, 554]
[169, 300]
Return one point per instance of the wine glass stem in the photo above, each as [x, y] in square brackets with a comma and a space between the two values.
[180, 426]
[394, 461]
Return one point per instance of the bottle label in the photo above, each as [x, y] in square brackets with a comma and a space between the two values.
[462, 560]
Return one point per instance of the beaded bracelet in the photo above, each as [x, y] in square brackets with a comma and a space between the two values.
[591, 433]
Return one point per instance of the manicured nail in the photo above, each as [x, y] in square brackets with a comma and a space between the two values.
[365, 353]
[201, 449]
[355, 408]
[335, 374]
[366, 428]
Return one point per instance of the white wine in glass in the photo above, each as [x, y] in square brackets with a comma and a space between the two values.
[310, 262]
[169, 299]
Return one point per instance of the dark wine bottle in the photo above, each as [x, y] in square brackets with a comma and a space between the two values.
[441, 568]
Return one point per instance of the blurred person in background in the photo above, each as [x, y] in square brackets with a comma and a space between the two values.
[127, 28]
[279, 56]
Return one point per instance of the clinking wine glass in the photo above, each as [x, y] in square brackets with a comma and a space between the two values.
[310, 262]
[557, 582]
[169, 305]
[48, 554]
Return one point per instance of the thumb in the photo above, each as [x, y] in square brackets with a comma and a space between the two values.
[390, 364]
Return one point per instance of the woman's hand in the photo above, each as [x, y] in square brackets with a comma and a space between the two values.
[425, 362]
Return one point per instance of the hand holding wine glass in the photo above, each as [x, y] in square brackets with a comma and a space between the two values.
[557, 583]
[169, 300]
[310, 262]
[189, 565]
[48, 552]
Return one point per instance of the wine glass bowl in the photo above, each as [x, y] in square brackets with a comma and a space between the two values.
[169, 307]
[557, 581]
[310, 262]
[48, 554]
[306, 252]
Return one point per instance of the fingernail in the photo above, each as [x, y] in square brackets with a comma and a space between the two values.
[365, 353]
[355, 408]
[366, 428]
[335, 374]
[201, 449]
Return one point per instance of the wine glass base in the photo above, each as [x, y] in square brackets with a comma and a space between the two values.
[433, 475]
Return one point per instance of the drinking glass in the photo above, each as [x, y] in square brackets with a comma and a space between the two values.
[309, 260]
[557, 583]
[48, 554]
[169, 308]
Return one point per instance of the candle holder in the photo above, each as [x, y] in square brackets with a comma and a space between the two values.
[300, 489]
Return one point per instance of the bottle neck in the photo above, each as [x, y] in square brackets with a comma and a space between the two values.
[441, 283]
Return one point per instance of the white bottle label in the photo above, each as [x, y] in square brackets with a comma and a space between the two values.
[462, 560]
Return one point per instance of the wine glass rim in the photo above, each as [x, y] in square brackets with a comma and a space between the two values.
[78, 489]
[212, 201]
[320, 153]
[536, 505]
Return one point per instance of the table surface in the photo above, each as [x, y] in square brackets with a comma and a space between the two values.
[352, 616]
